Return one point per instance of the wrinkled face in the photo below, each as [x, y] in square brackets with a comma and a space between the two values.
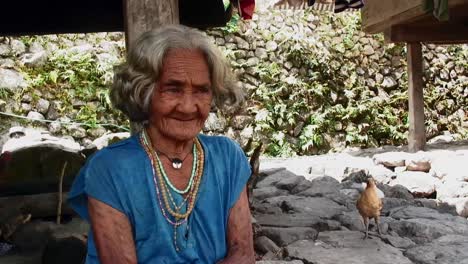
[181, 101]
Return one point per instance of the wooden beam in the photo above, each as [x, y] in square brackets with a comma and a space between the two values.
[38, 205]
[143, 15]
[448, 32]
[417, 132]
[378, 15]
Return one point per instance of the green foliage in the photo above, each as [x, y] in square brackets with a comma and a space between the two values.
[298, 114]
[72, 77]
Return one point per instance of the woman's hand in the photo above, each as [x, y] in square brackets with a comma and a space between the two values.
[239, 236]
[112, 234]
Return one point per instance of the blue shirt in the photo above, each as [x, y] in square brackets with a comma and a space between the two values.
[121, 176]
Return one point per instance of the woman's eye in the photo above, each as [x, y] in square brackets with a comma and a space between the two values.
[172, 90]
[204, 89]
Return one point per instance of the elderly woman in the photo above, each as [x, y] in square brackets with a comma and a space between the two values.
[168, 194]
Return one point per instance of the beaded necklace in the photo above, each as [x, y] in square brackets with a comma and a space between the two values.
[166, 178]
[163, 191]
[168, 181]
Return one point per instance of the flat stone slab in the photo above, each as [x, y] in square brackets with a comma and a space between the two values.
[345, 247]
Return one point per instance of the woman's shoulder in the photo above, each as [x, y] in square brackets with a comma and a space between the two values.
[221, 142]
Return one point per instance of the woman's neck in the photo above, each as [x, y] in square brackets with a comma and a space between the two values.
[167, 145]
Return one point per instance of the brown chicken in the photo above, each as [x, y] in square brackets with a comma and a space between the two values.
[369, 205]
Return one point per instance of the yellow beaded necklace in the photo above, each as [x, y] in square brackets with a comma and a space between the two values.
[165, 192]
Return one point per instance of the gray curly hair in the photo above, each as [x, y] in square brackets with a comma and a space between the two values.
[134, 80]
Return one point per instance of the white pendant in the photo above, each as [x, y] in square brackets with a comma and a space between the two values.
[176, 163]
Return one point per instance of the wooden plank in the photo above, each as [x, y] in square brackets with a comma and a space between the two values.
[447, 32]
[38, 205]
[417, 132]
[378, 15]
[143, 15]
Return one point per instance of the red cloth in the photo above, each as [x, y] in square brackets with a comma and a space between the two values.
[247, 8]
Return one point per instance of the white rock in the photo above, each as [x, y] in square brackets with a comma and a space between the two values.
[104, 140]
[419, 184]
[11, 80]
[391, 159]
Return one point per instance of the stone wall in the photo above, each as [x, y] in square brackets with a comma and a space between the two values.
[313, 83]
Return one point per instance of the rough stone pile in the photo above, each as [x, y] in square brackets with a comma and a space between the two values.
[302, 221]
[267, 39]
[303, 214]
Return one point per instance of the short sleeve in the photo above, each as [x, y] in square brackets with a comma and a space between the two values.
[97, 180]
[240, 173]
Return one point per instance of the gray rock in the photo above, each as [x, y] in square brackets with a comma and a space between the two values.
[459, 204]
[297, 220]
[318, 206]
[251, 62]
[35, 116]
[420, 184]
[33, 235]
[352, 194]
[351, 220]
[12, 80]
[368, 50]
[34, 59]
[27, 98]
[391, 159]
[263, 244]
[271, 46]
[52, 113]
[275, 177]
[220, 41]
[389, 82]
[399, 191]
[241, 121]
[418, 162]
[54, 127]
[7, 63]
[42, 106]
[290, 183]
[278, 262]
[109, 139]
[261, 53]
[22, 258]
[285, 236]
[80, 49]
[215, 123]
[423, 225]
[77, 131]
[26, 107]
[398, 242]
[267, 192]
[241, 43]
[5, 50]
[335, 246]
[390, 203]
[321, 186]
[17, 47]
[35, 47]
[97, 131]
[444, 250]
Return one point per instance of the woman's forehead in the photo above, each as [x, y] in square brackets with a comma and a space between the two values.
[192, 62]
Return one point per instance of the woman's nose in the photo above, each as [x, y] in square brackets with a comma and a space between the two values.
[187, 103]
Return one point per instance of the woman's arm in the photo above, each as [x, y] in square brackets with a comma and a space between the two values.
[239, 236]
[112, 234]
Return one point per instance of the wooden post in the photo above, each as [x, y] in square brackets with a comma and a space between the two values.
[143, 15]
[417, 132]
